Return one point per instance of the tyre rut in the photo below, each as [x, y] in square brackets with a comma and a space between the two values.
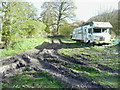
[49, 60]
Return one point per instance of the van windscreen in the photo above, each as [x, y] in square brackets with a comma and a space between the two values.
[97, 30]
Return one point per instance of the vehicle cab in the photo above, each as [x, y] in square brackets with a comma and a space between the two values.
[101, 32]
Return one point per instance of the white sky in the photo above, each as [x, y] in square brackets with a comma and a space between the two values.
[88, 8]
[85, 8]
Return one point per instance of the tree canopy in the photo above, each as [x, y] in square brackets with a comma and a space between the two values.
[19, 20]
[55, 14]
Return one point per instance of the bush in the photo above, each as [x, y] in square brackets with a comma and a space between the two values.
[66, 30]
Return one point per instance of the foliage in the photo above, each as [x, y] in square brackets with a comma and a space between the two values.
[32, 28]
[78, 23]
[65, 30]
[56, 13]
[19, 21]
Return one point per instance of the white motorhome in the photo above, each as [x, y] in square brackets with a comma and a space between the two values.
[93, 32]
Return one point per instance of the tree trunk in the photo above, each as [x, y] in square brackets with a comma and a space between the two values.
[59, 17]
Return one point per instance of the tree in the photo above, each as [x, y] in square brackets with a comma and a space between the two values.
[78, 23]
[15, 14]
[56, 13]
[33, 28]
[48, 16]
[66, 29]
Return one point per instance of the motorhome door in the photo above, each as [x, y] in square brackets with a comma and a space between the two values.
[85, 34]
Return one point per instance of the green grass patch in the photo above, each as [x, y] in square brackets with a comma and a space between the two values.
[99, 55]
[83, 68]
[97, 75]
[98, 48]
[68, 40]
[108, 60]
[104, 55]
[22, 45]
[34, 80]
[106, 78]
[71, 52]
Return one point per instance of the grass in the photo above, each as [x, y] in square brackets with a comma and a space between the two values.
[106, 78]
[108, 60]
[83, 68]
[22, 45]
[71, 52]
[97, 75]
[34, 80]
[100, 55]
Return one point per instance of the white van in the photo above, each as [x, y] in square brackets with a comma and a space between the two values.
[93, 32]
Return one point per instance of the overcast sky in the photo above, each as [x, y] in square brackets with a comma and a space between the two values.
[89, 8]
[85, 8]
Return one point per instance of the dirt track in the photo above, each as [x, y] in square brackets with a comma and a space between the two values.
[46, 58]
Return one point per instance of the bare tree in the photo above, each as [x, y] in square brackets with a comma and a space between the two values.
[55, 13]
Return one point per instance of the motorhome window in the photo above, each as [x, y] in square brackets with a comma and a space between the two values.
[97, 30]
[80, 32]
[89, 30]
[105, 30]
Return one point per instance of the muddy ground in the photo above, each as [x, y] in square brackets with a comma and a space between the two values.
[46, 58]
